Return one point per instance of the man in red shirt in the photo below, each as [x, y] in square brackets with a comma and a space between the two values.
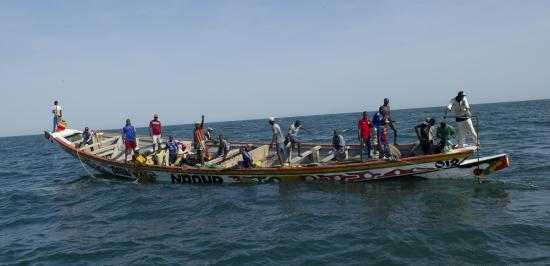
[364, 126]
[155, 131]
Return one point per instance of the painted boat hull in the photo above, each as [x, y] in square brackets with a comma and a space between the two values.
[439, 166]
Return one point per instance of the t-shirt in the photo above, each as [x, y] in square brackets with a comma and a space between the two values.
[129, 132]
[223, 147]
[277, 133]
[155, 127]
[364, 127]
[445, 133]
[198, 138]
[293, 130]
[172, 147]
[56, 110]
[247, 159]
[461, 109]
[377, 119]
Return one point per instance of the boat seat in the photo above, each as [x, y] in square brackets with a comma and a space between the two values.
[309, 152]
[230, 154]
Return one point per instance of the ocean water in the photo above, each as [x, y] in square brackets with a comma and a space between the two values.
[53, 213]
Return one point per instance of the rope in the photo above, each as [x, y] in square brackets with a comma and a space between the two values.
[81, 163]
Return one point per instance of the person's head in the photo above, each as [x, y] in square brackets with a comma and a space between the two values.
[156, 116]
[210, 129]
[443, 124]
[381, 109]
[197, 124]
[386, 101]
[365, 115]
[86, 129]
[128, 122]
[55, 102]
[297, 123]
[336, 132]
[431, 121]
[221, 136]
[460, 96]
[170, 138]
[272, 120]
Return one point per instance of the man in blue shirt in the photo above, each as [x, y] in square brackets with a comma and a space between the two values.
[129, 138]
[377, 124]
[172, 146]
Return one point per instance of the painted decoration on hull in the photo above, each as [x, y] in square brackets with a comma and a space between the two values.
[492, 166]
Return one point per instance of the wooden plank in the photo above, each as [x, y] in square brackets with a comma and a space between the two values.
[218, 160]
[305, 154]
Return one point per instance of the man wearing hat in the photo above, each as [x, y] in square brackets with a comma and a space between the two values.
[459, 105]
[155, 131]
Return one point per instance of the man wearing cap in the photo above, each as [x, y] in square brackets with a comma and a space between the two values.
[129, 138]
[155, 132]
[459, 105]
[278, 140]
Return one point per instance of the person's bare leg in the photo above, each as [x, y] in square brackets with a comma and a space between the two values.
[394, 133]
[299, 149]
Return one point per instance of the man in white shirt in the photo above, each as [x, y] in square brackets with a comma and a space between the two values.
[278, 140]
[57, 114]
[459, 105]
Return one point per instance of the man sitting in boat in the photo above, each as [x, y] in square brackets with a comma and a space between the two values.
[445, 133]
[339, 143]
[247, 158]
[86, 138]
[129, 138]
[172, 147]
[423, 133]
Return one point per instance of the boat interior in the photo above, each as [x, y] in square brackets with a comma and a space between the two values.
[111, 146]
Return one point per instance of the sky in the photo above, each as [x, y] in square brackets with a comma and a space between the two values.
[106, 61]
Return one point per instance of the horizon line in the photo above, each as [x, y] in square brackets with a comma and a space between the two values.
[227, 121]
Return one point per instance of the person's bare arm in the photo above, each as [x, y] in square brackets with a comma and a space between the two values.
[202, 122]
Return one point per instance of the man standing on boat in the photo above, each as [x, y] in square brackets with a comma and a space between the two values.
[129, 138]
[199, 141]
[364, 126]
[172, 146]
[459, 105]
[155, 132]
[278, 140]
[292, 136]
[57, 114]
[386, 112]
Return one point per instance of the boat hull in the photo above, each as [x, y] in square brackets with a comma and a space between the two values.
[449, 166]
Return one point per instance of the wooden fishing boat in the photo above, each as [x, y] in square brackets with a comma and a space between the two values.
[106, 155]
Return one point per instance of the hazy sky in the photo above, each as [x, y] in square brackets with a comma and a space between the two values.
[233, 60]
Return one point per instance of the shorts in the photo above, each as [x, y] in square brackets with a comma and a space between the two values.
[130, 144]
[294, 139]
[157, 139]
[280, 146]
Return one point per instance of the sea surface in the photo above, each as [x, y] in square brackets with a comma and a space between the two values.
[53, 213]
